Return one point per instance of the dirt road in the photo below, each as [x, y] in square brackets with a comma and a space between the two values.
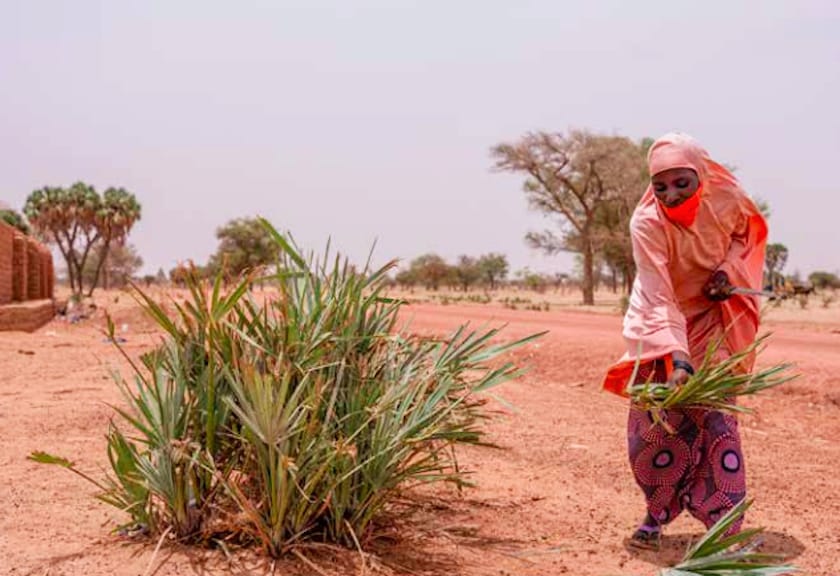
[556, 496]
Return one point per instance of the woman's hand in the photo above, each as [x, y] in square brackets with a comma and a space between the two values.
[718, 288]
[679, 375]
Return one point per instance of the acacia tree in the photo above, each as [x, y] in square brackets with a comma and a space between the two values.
[573, 177]
[821, 280]
[431, 270]
[467, 272]
[494, 268]
[406, 278]
[244, 243]
[612, 226]
[610, 239]
[78, 220]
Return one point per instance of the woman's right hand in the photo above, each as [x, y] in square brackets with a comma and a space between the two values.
[679, 376]
[718, 288]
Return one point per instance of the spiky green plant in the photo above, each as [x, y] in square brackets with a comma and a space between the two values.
[717, 554]
[296, 416]
[715, 385]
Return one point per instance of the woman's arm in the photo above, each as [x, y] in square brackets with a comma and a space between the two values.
[744, 263]
[654, 325]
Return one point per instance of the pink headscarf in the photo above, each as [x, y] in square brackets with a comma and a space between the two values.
[676, 150]
[668, 311]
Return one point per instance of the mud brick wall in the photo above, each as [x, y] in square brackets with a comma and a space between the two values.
[42, 274]
[19, 268]
[7, 242]
[44, 288]
[27, 316]
[33, 270]
[50, 274]
[27, 281]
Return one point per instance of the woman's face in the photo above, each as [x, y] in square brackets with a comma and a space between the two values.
[675, 186]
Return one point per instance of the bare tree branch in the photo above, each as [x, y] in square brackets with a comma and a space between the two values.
[578, 176]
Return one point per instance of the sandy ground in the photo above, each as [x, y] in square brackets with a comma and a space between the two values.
[555, 497]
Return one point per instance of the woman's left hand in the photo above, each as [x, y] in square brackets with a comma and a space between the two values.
[718, 288]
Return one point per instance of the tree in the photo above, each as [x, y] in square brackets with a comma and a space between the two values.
[494, 268]
[821, 280]
[78, 220]
[180, 274]
[117, 215]
[65, 217]
[467, 272]
[406, 278]
[116, 268]
[14, 219]
[573, 177]
[532, 280]
[775, 258]
[611, 240]
[612, 227]
[244, 244]
[431, 270]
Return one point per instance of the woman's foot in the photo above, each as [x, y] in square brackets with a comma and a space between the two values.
[646, 537]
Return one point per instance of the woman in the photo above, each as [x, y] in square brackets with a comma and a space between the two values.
[696, 235]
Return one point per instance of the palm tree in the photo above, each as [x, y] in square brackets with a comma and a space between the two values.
[78, 219]
[119, 211]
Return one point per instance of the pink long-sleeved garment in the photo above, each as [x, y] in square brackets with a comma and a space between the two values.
[668, 311]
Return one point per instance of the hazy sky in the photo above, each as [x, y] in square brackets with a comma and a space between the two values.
[372, 119]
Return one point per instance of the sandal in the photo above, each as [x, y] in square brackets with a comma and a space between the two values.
[646, 538]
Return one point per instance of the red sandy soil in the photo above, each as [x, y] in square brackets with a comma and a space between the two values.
[556, 496]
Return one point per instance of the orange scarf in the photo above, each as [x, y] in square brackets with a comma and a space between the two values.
[684, 214]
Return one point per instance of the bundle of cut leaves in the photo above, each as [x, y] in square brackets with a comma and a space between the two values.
[716, 554]
[715, 385]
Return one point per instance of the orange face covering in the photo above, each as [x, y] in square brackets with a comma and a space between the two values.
[685, 213]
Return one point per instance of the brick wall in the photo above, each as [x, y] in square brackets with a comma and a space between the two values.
[44, 276]
[19, 268]
[33, 270]
[26, 317]
[50, 276]
[27, 281]
[7, 240]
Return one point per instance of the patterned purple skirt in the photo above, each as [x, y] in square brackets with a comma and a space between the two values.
[699, 468]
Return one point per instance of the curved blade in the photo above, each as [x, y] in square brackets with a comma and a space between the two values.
[752, 292]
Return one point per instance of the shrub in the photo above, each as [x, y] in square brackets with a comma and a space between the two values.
[293, 418]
